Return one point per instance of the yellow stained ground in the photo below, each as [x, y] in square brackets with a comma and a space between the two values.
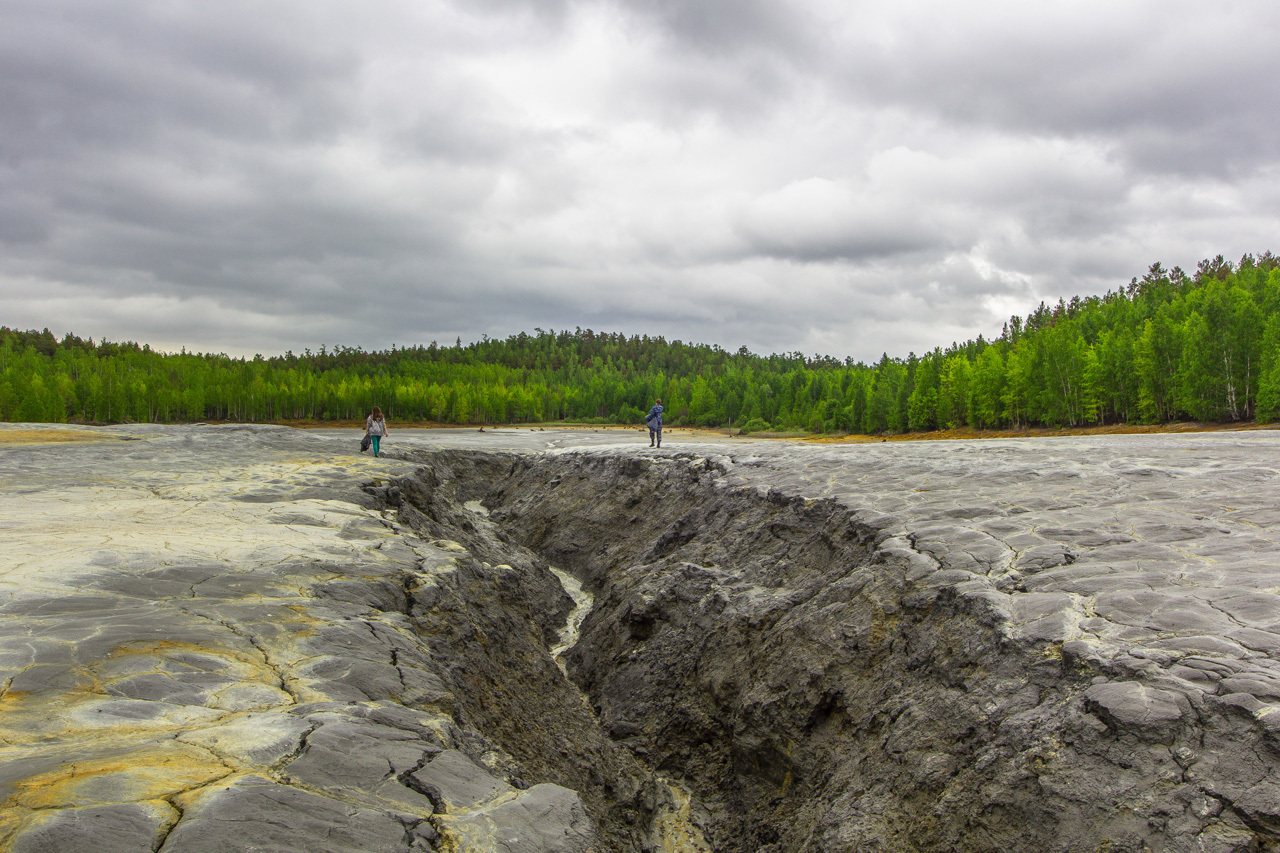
[58, 539]
[45, 436]
[154, 774]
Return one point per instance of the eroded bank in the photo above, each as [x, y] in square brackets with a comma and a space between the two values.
[817, 681]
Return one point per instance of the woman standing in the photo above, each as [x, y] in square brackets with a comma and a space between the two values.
[375, 426]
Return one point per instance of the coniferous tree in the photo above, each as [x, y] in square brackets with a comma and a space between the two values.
[1165, 346]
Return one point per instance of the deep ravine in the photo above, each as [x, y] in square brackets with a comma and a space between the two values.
[789, 663]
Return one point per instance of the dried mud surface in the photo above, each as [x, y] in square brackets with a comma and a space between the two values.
[208, 643]
[214, 633]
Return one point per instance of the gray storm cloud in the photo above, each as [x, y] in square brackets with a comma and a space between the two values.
[816, 176]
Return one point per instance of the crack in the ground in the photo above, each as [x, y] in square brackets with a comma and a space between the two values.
[299, 749]
[276, 669]
[431, 792]
[166, 829]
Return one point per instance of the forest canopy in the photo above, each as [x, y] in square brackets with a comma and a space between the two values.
[1168, 346]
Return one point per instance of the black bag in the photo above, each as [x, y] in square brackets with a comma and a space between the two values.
[365, 443]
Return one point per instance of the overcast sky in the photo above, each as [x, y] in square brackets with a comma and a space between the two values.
[821, 176]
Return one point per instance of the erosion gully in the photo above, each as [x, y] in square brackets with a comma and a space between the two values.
[729, 670]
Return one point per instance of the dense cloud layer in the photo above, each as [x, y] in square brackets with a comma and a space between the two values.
[814, 176]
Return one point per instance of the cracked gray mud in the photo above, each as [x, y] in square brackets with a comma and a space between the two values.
[216, 634]
[206, 645]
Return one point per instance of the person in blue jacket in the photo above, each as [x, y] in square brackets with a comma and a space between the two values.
[654, 420]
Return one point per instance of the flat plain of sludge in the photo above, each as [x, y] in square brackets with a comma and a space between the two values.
[166, 659]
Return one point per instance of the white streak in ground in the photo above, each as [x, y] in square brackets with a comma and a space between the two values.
[674, 826]
[582, 601]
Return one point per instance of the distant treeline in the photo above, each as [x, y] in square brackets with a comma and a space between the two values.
[1169, 346]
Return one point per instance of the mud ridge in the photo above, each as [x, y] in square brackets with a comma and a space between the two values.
[813, 679]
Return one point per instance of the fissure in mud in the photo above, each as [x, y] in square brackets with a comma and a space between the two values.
[791, 666]
[1012, 646]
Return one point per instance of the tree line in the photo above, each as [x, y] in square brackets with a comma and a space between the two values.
[1168, 346]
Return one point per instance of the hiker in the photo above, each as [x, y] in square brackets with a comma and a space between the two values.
[654, 420]
[375, 427]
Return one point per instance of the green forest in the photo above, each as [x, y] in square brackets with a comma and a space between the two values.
[1167, 347]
